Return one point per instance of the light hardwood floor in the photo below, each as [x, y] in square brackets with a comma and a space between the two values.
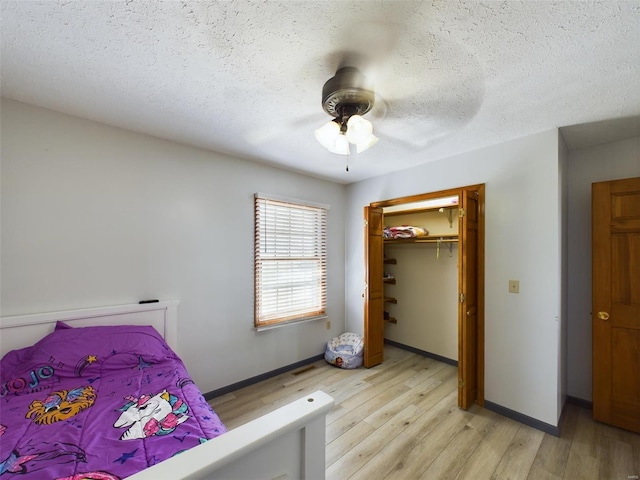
[400, 420]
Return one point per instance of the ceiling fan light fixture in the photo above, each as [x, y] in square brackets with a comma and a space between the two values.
[359, 129]
[370, 142]
[328, 133]
[346, 97]
[341, 145]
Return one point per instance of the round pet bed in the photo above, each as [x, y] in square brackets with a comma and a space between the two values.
[345, 351]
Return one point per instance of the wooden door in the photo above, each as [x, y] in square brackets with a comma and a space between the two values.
[374, 292]
[468, 299]
[616, 302]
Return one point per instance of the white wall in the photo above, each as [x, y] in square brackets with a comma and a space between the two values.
[611, 161]
[94, 215]
[522, 243]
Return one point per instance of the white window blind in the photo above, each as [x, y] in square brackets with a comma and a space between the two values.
[290, 260]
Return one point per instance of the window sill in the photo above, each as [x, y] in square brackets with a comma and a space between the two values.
[289, 323]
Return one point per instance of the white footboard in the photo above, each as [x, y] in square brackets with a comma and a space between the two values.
[288, 443]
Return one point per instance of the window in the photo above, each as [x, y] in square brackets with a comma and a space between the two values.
[290, 260]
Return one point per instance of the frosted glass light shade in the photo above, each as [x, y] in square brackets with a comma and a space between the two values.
[327, 134]
[337, 138]
[358, 129]
[370, 142]
[340, 146]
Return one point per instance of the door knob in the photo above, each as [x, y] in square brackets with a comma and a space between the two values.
[603, 315]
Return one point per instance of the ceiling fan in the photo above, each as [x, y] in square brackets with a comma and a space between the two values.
[426, 97]
[416, 86]
[346, 97]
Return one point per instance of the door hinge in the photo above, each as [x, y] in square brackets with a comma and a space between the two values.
[460, 383]
[462, 212]
[462, 298]
[366, 223]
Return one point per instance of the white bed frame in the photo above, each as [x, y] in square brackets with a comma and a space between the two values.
[288, 443]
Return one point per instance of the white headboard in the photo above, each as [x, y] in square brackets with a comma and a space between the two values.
[25, 330]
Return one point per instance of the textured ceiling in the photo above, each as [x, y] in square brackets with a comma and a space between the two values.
[245, 77]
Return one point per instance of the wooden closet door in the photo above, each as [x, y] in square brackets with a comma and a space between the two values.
[374, 295]
[616, 302]
[468, 300]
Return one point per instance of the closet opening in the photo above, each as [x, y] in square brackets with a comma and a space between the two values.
[424, 257]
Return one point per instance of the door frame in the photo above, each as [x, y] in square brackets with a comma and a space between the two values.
[479, 347]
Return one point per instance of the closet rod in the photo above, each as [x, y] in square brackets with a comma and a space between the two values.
[436, 240]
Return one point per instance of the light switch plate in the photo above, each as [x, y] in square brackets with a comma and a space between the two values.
[514, 286]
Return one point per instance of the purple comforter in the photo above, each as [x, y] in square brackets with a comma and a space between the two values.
[97, 403]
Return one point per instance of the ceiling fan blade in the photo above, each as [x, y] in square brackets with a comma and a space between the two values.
[371, 32]
[366, 48]
[269, 132]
